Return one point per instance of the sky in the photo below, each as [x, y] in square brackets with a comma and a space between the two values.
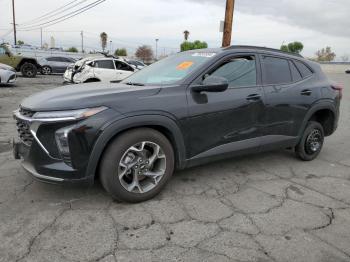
[316, 23]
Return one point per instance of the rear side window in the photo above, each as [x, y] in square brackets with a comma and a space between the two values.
[295, 72]
[106, 64]
[239, 72]
[303, 69]
[276, 71]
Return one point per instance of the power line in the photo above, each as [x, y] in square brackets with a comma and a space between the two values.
[64, 17]
[49, 13]
[54, 13]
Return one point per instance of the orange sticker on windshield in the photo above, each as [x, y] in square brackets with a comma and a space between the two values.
[184, 65]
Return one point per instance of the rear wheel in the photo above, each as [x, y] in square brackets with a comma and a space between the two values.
[136, 165]
[311, 142]
[29, 70]
[46, 70]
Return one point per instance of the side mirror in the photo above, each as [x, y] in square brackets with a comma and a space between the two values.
[212, 84]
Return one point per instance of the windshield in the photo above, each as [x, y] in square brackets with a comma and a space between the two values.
[170, 70]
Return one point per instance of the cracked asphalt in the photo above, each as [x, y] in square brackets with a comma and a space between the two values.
[267, 207]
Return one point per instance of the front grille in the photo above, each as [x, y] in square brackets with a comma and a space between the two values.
[24, 132]
[26, 112]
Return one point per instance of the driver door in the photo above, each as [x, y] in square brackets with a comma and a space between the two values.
[224, 122]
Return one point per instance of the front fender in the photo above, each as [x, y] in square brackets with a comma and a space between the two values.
[120, 125]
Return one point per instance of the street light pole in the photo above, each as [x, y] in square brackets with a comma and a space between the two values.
[41, 37]
[157, 48]
[226, 38]
[14, 22]
[82, 41]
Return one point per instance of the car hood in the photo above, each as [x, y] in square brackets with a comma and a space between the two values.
[6, 67]
[113, 95]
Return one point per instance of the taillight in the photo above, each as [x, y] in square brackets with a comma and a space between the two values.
[338, 88]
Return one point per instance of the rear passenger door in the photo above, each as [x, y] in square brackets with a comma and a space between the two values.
[288, 96]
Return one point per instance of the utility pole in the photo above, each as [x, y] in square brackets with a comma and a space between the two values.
[14, 21]
[41, 37]
[82, 41]
[157, 48]
[226, 38]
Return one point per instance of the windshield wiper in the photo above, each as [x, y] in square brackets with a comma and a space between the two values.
[134, 84]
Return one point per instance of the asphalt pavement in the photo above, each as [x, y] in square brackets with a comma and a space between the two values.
[267, 207]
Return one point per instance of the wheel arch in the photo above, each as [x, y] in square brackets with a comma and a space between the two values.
[25, 60]
[92, 79]
[325, 113]
[162, 124]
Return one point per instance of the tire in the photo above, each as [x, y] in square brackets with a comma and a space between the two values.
[29, 70]
[122, 173]
[311, 142]
[46, 70]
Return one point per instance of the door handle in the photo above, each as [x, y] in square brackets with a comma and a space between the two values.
[306, 92]
[253, 97]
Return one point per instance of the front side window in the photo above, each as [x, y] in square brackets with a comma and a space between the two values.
[276, 71]
[239, 71]
[122, 66]
[106, 64]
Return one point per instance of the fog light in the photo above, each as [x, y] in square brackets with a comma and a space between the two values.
[62, 142]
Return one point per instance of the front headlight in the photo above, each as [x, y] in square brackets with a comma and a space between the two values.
[68, 115]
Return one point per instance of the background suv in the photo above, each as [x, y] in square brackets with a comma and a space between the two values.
[187, 109]
[26, 65]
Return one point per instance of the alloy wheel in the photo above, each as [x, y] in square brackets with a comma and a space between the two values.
[313, 142]
[141, 167]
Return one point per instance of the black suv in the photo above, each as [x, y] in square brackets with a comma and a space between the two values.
[187, 109]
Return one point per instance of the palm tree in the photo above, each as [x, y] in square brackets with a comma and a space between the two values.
[186, 34]
[104, 38]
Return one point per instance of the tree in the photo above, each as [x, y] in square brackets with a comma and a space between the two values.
[145, 53]
[193, 45]
[345, 58]
[104, 39]
[72, 49]
[325, 55]
[121, 52]
[293, 47]
[186, 34]
[20, 42]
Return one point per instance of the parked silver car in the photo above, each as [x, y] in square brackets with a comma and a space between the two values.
[55, 64]
[7, 74]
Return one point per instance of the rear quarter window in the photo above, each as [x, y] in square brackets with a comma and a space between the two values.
[303, 69]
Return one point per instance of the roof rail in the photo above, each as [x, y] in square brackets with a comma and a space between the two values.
[262, 49]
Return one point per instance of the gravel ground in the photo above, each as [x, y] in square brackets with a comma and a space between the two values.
[268, 207]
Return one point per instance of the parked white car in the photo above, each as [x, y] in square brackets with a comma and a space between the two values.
[7, 74]
[102, 69]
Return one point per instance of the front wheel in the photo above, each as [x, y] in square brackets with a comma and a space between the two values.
[311, 142]
[136, 165]
[29, 70]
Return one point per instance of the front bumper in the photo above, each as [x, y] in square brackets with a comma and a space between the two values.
[46, 170]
